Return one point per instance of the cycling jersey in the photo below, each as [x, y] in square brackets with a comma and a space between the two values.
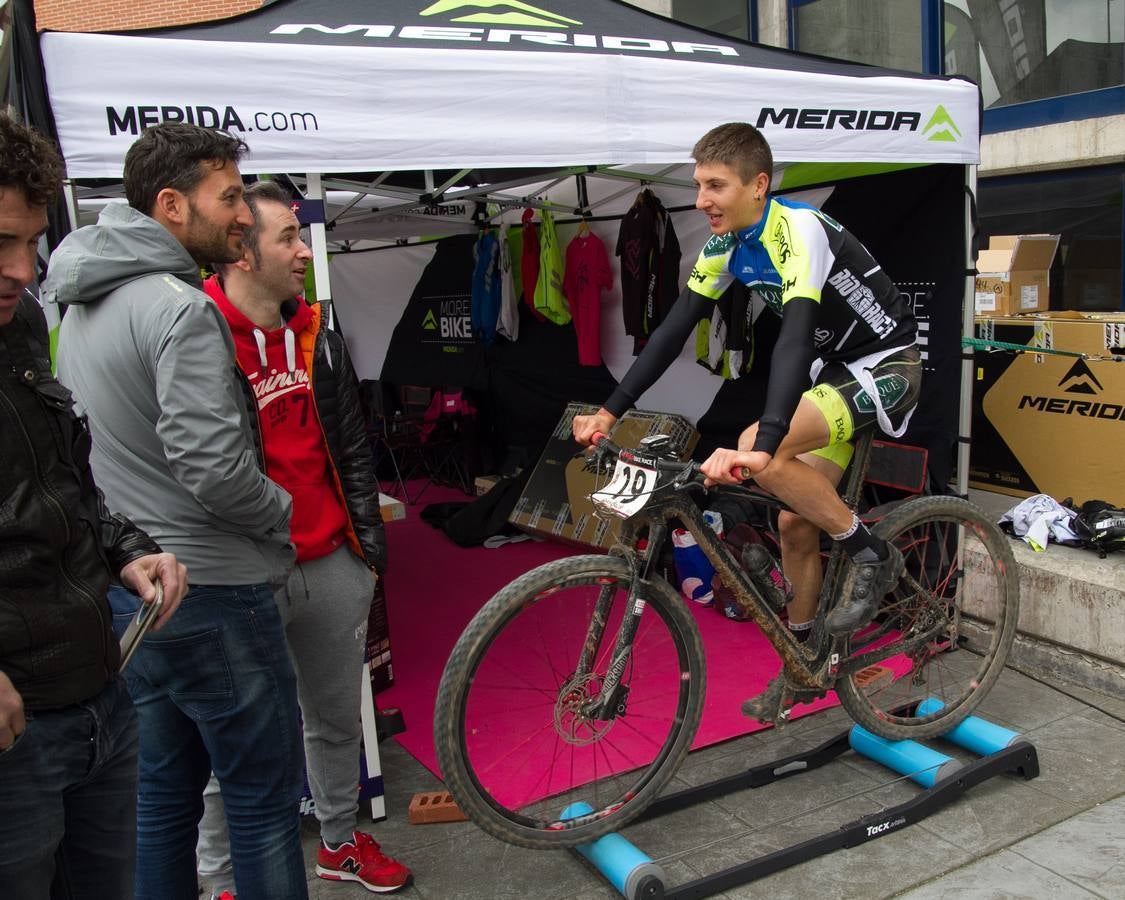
[846, 307]
[795, 250]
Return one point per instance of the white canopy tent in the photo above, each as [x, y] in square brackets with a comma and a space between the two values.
[409, 113]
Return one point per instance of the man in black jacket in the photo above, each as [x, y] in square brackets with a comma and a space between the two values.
[68, 731]
[305, 402]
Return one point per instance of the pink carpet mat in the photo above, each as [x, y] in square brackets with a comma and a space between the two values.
[435, 587]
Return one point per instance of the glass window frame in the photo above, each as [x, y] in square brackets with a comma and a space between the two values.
[751, 21]
[1108, 101]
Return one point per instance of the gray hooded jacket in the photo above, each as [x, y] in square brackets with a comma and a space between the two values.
[151, 362]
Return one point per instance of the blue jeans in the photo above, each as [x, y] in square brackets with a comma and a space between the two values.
[215, 691]
[68, 800]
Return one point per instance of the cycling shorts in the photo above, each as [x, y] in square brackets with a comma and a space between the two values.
[847, 408]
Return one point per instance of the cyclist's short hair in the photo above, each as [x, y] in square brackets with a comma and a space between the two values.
[738, 145]
[29, 162]
[261, 192]
[175, 155]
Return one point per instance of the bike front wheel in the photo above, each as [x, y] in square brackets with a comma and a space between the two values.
[523, 728]
[943, 634]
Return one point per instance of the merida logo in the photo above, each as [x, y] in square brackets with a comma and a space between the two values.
[519, 23]
[516, 13]
[846, 119]
[942, 126]
[430, 322]
[1081, 380]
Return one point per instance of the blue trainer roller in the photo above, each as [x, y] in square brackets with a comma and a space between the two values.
[917, 761]
[976, 734]
[626, 867]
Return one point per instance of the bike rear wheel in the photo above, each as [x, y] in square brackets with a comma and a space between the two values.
[945, 630]
[515, 730]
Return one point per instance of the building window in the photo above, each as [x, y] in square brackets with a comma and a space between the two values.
[723, 16]
[1083, 206]
[880, 32]
[1020, 50]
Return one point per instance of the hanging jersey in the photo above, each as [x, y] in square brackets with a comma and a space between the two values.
[508, 322]
[486, 288]
[650, 265]
[795, 250]
[549, 298]
[587, 275]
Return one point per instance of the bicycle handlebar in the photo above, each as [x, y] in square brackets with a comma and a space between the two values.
[605, 448]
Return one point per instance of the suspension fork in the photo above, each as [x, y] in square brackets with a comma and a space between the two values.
[610, 699]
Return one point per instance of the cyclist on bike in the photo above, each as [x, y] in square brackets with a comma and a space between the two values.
[845, 360]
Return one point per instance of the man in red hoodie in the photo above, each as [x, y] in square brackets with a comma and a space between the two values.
[307, 406]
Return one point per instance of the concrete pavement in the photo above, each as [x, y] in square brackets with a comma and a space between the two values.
[1059, 835]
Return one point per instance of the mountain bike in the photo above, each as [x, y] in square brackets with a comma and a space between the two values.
[584, 679]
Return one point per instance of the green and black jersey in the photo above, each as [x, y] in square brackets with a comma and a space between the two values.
[835, 301]
[798, 251]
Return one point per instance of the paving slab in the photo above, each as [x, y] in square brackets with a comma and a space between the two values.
[1002, 876]
[1080, 760]
[1060, 835]
[1088, 849]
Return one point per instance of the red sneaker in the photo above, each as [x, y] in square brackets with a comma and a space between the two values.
[361, 860]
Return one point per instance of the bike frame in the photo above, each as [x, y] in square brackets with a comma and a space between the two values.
[671, 501]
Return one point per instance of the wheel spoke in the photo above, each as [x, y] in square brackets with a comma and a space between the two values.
[517, 726]
[934, 598]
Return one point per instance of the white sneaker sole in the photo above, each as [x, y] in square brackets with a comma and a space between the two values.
[337, 875]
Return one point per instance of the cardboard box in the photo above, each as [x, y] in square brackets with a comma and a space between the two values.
[1013, 274]
[556, 502]
[482, 484]
[1047, 423]
[1092, 274]
[391, 508]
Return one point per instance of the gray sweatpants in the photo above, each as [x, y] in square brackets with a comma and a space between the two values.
[324, 607]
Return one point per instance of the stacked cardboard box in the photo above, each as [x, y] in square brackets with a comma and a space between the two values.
[1013, 274]
[1048, 423]
[556, 502]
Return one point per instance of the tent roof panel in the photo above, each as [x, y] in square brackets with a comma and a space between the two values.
[321, 96]
[570, 26]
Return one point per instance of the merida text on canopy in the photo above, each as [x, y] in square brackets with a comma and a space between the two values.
[848, 119]
[506, 36]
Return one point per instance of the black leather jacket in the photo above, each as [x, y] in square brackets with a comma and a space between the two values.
[338, 404]
[59, 546]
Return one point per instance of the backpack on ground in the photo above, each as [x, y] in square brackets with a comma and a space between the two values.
[1101, 526]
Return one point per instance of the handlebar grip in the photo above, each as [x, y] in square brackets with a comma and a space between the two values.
[743, 473]
[597, 437]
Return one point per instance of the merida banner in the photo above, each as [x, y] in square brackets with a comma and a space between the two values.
[359, 86]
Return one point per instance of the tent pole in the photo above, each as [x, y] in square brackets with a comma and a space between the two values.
[315, 191]
[968, 308]
[70, 198]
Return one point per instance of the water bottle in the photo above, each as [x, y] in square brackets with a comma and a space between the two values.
[693, 568]
[767, 577]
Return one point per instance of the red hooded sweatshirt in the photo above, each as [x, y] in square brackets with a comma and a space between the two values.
[296, 456]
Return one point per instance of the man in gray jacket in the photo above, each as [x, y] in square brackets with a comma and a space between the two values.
[150, 359]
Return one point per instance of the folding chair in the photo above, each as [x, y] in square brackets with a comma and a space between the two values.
[448, 425]
[395, 431]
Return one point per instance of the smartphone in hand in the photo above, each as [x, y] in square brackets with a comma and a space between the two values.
[142, 621]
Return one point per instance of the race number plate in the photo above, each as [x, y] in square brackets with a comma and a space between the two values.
[628, 491]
